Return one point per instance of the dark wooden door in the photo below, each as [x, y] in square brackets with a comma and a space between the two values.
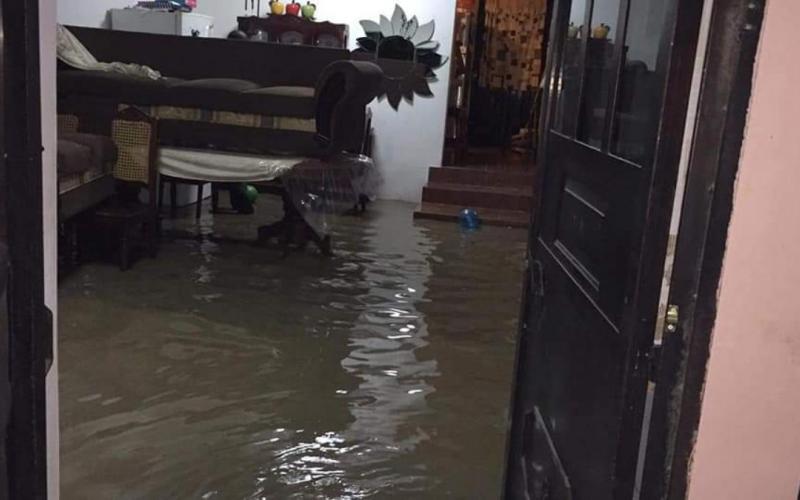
[26, 332]
[5, 381]
[614, 121]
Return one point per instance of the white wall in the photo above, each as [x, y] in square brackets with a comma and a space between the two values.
[407, 141]
[47, 51]
[410, 140]
[90, 13]
[93, 12]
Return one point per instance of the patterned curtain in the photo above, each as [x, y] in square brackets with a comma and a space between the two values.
[512, 56]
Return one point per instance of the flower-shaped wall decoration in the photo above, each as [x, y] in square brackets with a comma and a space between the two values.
[407, 40]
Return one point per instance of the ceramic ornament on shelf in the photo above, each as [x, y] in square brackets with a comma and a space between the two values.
[601, 31]
[277, 8]
[404, 39]
[293, 9]
[309, 11]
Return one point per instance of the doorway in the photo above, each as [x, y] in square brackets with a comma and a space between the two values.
[532, 433]
[304, 376]
[495, 91]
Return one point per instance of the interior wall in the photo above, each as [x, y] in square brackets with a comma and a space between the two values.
[749, 435]
[47, 52]
[410, 140]
[90, 13]
[407, 141]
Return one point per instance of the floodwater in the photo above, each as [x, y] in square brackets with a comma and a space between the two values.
[220, 370]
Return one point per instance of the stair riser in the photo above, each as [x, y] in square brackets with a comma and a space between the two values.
[478, 177]
[472, 199]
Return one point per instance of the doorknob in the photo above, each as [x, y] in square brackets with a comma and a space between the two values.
[673, 318]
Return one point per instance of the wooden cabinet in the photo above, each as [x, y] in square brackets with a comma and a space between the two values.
[296, 31]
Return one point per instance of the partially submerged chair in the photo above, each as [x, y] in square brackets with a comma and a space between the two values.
[84, 163]
[345, 89]
[135, 135]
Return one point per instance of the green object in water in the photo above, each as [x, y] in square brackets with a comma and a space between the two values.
[251, 193]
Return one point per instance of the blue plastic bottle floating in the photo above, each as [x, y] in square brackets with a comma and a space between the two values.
[469, 219]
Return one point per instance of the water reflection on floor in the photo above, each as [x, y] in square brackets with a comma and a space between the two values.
[220, 370]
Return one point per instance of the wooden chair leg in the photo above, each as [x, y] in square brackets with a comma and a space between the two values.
[173, 193]
[125, 248]
[198, 210]
[160, 194]
[152, 236]
[214, 198]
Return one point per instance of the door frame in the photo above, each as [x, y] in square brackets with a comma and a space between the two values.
[680, 369]
[703, 232]
[29, 321]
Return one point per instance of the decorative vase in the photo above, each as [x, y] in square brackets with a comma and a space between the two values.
[601, 31]
[277, 7]
[572, 31]
[309, 11]
[293, 9]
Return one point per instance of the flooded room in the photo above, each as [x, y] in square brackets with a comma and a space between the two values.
[399, 249]
[253, 303]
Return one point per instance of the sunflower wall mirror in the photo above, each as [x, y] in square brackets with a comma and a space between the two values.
[403, 39]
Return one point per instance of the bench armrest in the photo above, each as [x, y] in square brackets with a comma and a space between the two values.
[343, 91]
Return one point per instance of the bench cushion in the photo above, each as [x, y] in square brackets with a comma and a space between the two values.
[102, 148]
[73, 158]
[120, 87]
[211, 94]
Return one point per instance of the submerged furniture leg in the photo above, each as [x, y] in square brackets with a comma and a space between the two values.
[152, 228]
[160, 193]
[291, 228]
[214, 198]
[173, 199]
[198, 210]
[125, 248]
[279, 228]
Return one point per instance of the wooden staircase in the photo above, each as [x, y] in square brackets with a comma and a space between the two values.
[502, 197]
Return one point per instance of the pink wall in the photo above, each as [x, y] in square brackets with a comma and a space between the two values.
[748, 444]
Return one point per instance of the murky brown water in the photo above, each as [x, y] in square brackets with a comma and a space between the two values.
[221, 371]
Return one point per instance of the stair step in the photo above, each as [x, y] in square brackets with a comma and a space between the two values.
[481, 176]
[489, 217]
[470, 195]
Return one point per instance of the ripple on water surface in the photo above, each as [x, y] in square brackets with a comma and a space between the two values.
[220, 370]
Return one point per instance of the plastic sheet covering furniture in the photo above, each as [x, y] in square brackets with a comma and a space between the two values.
[315, 190]
[218, 166]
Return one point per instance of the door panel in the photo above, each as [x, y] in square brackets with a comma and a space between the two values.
[641, 85]
[589, 207]
[581, 374]
[579, 395]
[544, 473]
[570, 68]
[600, 70]
[5, 383]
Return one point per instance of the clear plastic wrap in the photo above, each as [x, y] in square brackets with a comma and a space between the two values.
[321, 190]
